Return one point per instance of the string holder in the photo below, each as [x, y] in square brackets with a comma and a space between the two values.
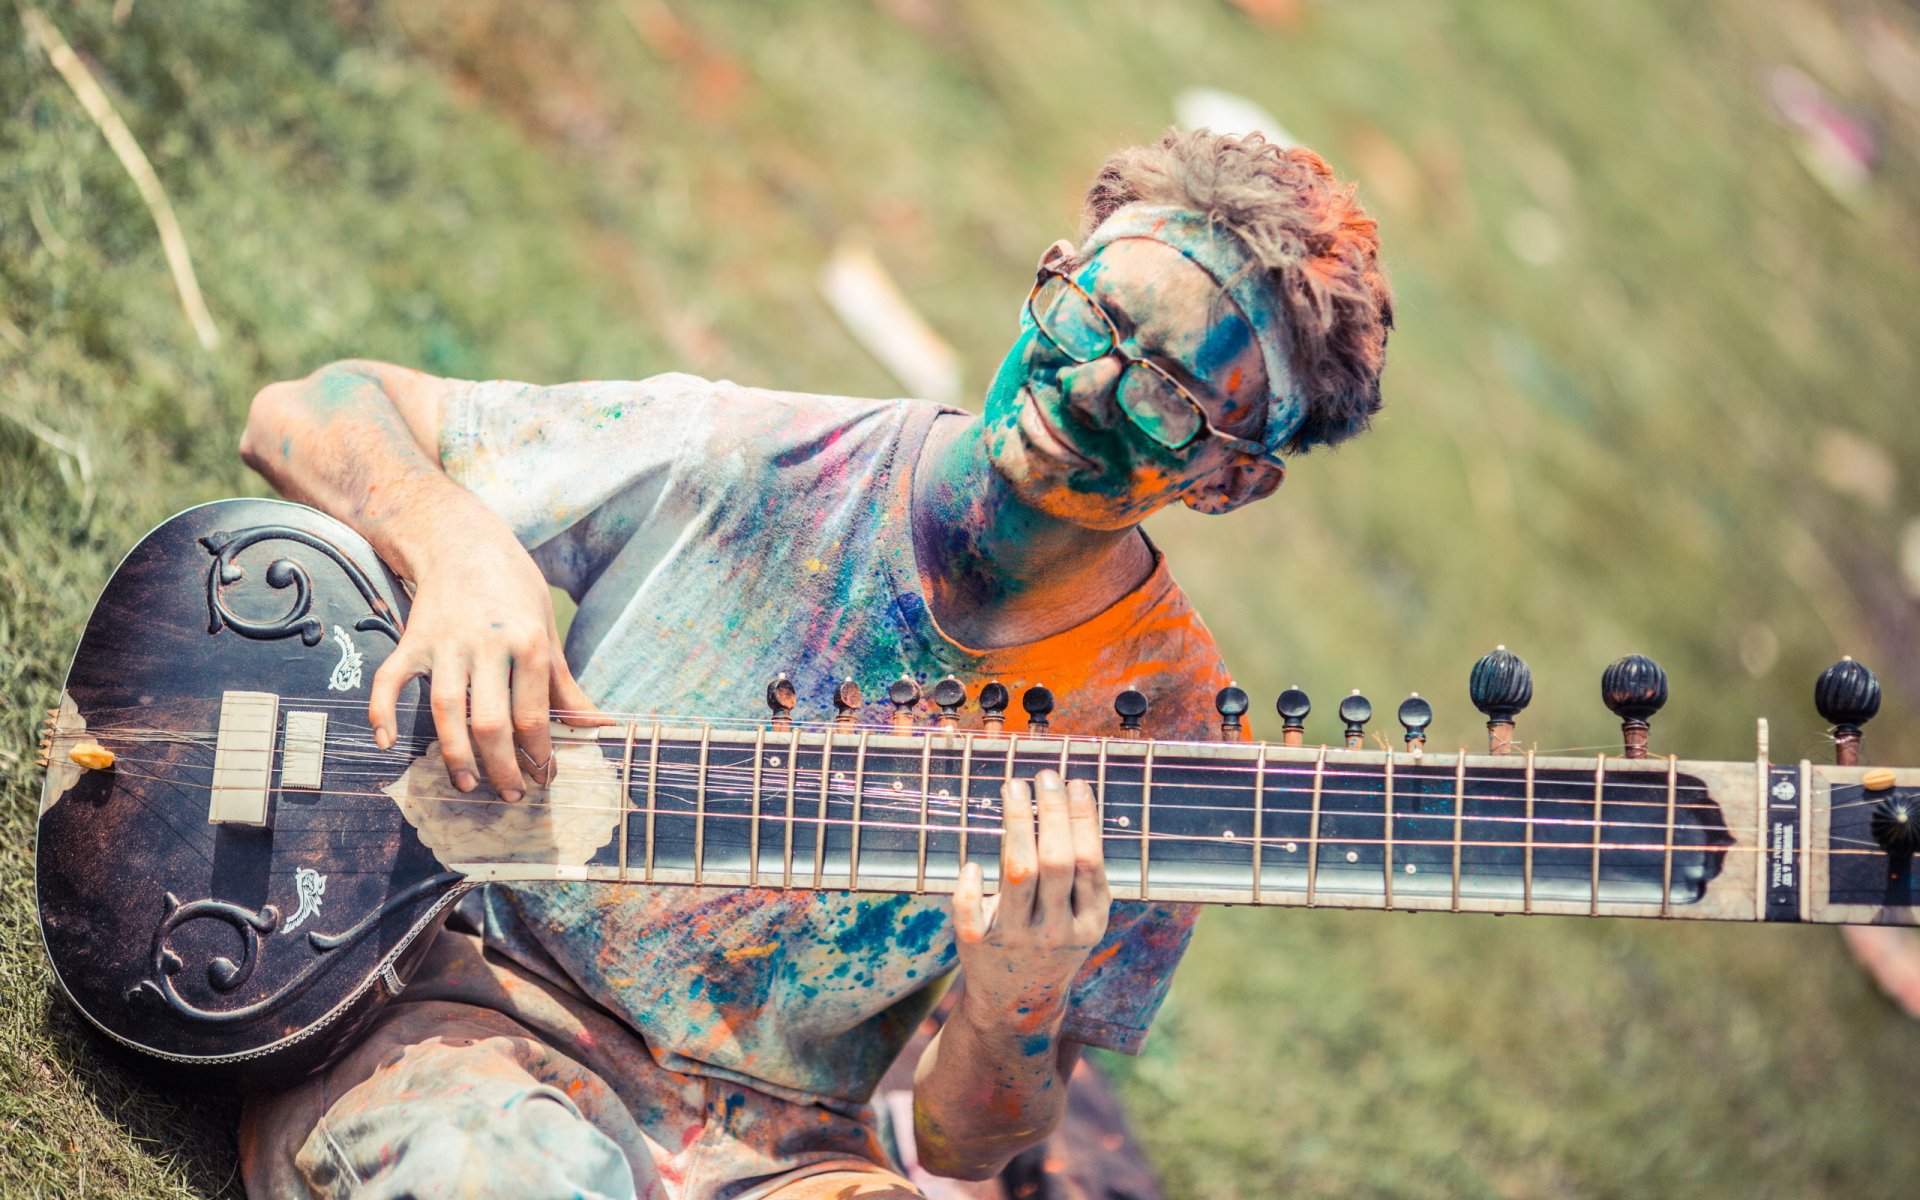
[1231, 703]
[993, 701]
[1415, 715]
[1848, 696]
[904, 694]
[1038, 703]
[1634, 689]
[1356, 710]
[846, 703]
[781, 699]
[1130, 706]
[1293, 707]
[1501, 686]
[948, 695]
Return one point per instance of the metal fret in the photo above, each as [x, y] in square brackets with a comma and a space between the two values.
[859, 793]
[1459, 817]
[820, 830]
[753, 822]
[1259, 801]
[653, 794]
[966, 792]
[1313, 830]
[1526, 870]
[1386, 839]
[1100, 795]
[1146, 823]
[626, 797]
[1666, 867]
[926, 783]
[793, 787]
[1000, 854]
[700, 810]
[1599, 801]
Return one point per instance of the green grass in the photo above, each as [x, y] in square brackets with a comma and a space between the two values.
[1616, 449]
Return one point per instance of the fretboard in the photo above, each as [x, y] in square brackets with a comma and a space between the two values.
[865, 809]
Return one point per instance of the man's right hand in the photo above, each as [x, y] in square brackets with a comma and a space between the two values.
[359, 440]
[482, 628]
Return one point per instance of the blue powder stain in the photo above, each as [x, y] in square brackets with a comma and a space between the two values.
[694, 989]
[873, 928]
[917, 932]
[1225, 341]
[1035, 1043]
[735, 1103]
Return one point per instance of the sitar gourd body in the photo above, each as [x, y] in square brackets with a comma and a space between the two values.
[232, 879]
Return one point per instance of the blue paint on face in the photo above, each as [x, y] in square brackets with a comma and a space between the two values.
[1226, 340]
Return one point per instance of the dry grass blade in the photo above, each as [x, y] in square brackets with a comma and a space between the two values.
[92, 98]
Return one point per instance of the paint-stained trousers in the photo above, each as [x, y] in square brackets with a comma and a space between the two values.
[486, 1081]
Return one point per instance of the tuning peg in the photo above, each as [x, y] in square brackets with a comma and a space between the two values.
[1895, 821]
[847, 701]
[1131, 706]
[1293, 707]
[1231, 703]
[1847, 695]
[993, 702]
[1634, 688]
[1356, 710]
[1038, 701]
[904, 694]
[1501, 685]
[781, 698]
[1415, 715]
[949, 695]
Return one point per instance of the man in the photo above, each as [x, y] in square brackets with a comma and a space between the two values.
[1225, 304]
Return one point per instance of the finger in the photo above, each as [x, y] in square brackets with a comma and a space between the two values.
[1017, 865]
[1054, 894]
[395, 673]
[491, 721]
[448, 680]
[531, 729]
[969, 917]
[571, 702]
[1090, 893]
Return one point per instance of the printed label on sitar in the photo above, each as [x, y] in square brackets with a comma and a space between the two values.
[562, 823]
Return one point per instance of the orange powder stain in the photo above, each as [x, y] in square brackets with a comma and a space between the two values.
[746, 952]
[1100, 959]
[1233, 380]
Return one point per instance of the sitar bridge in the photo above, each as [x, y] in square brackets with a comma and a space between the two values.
[243, 756]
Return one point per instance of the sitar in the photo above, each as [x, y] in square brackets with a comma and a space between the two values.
[232, 878]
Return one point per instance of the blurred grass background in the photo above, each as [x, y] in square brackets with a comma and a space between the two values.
[1651, 391]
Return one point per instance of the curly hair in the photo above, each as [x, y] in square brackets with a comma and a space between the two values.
[1305, 229]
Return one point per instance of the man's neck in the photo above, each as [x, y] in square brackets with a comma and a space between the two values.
[998, 571]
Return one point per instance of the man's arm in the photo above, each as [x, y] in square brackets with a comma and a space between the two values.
[994, 1079]
[360, 441]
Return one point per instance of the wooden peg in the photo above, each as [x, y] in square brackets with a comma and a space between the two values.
[1501, 686]
[904, 694]
[1847, 695]
[1356, 710]
[1038, 701]
[1415, 715]
[846, 702]
[949, 695]
[1634, 689]
[1130, 706]
[1293, 707]
[1231, 703]
[993, 701]
[781, 698]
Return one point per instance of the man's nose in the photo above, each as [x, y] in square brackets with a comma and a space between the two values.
[1087, 390]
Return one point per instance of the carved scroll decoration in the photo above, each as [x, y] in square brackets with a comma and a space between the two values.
[283, 573]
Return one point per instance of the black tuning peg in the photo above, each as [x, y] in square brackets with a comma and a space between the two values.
[1130, 706]
[949, 694]
[781, 698]
[993, 701]
[1293, 707]
[1356, 710]
[1634, 688]
[1895, 821]
[1231, 703]
[1415, 715]
[904, 694]
[846, 703]
[1847, 695]
[1038, 701]
[1501, 685]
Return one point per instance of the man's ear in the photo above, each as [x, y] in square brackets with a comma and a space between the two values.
[1060, 252]
[1240, 482]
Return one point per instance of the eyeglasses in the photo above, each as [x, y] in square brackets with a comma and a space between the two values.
[1158, 404]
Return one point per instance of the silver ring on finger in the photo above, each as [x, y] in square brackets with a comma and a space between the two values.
[542, 771]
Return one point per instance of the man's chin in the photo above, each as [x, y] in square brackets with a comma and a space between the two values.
[1047, 487]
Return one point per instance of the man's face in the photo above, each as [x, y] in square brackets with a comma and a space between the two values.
[1054, 429]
